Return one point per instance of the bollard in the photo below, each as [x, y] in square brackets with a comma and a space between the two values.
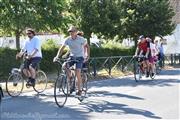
[109, 66]
[171, 59]
[94, 67]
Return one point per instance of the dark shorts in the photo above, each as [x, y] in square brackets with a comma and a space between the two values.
[78, 61]
[33, 62]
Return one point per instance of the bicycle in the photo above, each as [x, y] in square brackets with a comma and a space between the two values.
[16, 79]
[139, 69]
[62, 84]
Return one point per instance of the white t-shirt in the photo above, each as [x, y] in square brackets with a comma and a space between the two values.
[32, 44]
[153, 49]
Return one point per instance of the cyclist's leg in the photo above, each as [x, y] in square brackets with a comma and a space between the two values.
[25, 69]
[78, 73]
[33, 67]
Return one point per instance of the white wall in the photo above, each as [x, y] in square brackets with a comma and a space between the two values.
[173, 42]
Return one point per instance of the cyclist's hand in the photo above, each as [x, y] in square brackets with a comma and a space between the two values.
[28, 57]
[86, 58]
[134, 56]
[18, 56]
[55, 59]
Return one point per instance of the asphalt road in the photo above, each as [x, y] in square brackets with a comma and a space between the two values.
[121, 98]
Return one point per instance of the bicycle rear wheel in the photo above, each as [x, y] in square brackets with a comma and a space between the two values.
[14, 85]
[41, 81]
[137, 72]
[60, 88]
[84, 86]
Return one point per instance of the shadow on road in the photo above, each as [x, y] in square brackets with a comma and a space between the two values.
[113, 95]
[119, 109]
[34, 108]
[129, 81]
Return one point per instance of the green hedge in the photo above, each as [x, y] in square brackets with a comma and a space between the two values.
[106, 52]
[8, 61]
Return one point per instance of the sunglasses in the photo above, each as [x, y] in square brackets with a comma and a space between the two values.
[71, 31]
[29, 33]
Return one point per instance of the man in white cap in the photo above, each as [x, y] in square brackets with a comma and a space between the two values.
[76, 45]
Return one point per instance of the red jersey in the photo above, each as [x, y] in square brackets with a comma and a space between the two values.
[144, 46]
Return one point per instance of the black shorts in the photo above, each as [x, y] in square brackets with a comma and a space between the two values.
[33, 62]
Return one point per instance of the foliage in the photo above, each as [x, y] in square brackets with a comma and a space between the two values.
[125, 18]
[42, 15]
[8, 61]
[98, 16]
[148, 17]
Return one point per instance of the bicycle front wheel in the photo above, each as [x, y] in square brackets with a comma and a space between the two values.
[14, 85]
[60, 88]
[41, 81]
[137, 72]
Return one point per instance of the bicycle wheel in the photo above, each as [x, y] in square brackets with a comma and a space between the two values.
[84, 86]
[41, 81]
[152, 76]
[137, 72]
[60, 97]
[14, 85]
[158, 68]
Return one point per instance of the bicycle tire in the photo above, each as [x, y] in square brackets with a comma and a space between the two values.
[41, 81]
[137, 72]
[60, 97]
[158, 68]
[14, 85]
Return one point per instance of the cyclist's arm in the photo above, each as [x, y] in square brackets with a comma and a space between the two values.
[86, 46]
[33, 53]
[148, 50]
[20, 54]
[60, 51]
[137, 50]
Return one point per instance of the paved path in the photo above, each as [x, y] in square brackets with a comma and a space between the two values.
[107, 99]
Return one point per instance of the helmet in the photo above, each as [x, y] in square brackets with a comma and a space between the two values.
[141, 37]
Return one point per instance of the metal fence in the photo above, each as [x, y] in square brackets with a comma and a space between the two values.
[111, 65]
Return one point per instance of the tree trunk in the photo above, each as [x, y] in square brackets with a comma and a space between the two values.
[17, 40]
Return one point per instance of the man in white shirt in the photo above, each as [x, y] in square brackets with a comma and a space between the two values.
[32, 48]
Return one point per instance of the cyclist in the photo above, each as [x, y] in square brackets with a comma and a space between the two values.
[143, 48]
[153, 55]
[32, 48]
[76, 45]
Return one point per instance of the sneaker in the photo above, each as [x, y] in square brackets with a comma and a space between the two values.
[152, 74]
[33, 82]
[147, 74]
[30, 82]
[79, 93]
[72, 90]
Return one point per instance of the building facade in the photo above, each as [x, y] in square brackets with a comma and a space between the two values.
[176, 6]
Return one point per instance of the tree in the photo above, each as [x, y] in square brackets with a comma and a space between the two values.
[148, 17]
[44, 15]
[98, 16]
[124, 18]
